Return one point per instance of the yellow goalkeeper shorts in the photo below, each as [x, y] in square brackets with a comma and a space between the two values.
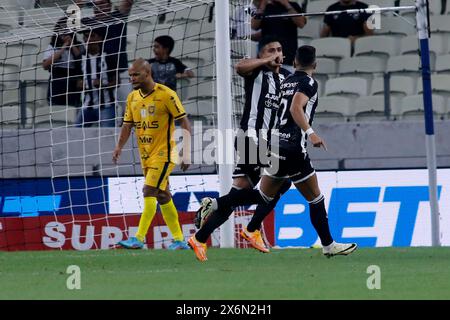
[157, 174]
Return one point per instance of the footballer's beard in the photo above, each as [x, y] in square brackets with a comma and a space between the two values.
[136, 86]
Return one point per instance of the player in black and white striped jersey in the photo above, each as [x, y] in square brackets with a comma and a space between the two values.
[296, 113]
[263, 77]
[99, 82]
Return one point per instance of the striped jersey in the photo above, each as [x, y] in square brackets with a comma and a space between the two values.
[262, 90]
[291, 136]
[95, 69]
[153, 117]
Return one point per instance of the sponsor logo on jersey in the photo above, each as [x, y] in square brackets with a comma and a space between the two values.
[146, 139]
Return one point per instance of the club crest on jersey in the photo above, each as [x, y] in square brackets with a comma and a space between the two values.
[151, 110]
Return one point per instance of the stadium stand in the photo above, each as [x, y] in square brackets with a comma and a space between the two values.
[399, 85]
[392, 50]
[411, 107]
[334, 108]
[363, 66]
[405, 63]
[331, 47]
[347, 86]
[443, 64]
[310, 31]
[391, 26]
[371, 107]
[384, 46]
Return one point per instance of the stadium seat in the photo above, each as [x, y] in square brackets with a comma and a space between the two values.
[318, 5]
[15, 55]
[47, 16]
[207, 70]
[384, 46]
[202, 90]
[181, 31]
[331, 47]
[372, 107]
[132, 32]
[409, 45]
[310, 31]
[437, 45]
[194, 13]
[406, 63]
[352, 86]
[412, 106]
[326, 66]
[141, 23]
[440, 24]
[58, 114]
[243, 49]
[440, 84]
[399, 85]
[207, 30]
[385, 3]
[200, 51]
[436, 7]
[36, 94]
[201, 110]
[8, 20]
[410, 15]
[9, 115]
[200, 107]
[334, 108]
[395, 26]
[9, 76]
[10, 97]
[443, 64]
[321, 80]
[362, 66]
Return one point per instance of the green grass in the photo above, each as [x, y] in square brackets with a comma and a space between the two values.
[406, 273]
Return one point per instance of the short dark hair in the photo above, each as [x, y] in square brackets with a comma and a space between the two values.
[266, 40]
[166, 42]
[306, 56]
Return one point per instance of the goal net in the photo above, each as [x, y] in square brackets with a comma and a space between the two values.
[59, 186]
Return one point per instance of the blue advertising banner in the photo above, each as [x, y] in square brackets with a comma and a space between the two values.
[37, 197]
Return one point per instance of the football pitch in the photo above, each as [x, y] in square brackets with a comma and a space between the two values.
[405, 273]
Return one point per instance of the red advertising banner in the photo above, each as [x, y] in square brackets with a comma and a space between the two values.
[98, 231]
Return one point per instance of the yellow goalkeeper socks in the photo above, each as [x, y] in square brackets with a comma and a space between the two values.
[170, 215]
[146, 218]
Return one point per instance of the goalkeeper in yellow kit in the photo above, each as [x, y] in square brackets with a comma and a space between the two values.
[151, 109]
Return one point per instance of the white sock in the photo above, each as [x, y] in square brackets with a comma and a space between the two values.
[328, 247]
[214, 205]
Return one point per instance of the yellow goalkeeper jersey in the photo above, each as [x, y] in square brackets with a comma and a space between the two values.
[153, 117]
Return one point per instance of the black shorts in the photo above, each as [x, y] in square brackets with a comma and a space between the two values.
[251, 171]
[249, 163]
[295, 166]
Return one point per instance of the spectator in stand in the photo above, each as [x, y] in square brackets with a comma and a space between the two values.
[62, 60]
[115, 43]
[345, 25]
[285, 29]
[98, 83]
[166, 69]
[240, 22]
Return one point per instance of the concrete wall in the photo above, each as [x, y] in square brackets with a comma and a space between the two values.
[76, 152]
